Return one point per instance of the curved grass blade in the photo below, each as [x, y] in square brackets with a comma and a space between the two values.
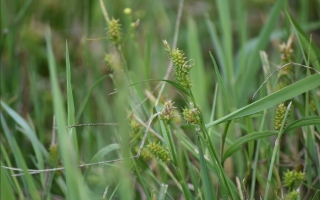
[174, 84]
[262, 42]
[83, 103]
[282, 95]
[215, 40]
[304, 41]
[227, 38]
[204, 172]
[76, 188]
[101, 153]
[27, 179]
[104, 151]
[314, 120]
[162, 192]
[220, 81]
[198, 74]
[5, 185]
[248, 138]
[71, 115]
[39, 149]
[258, 135]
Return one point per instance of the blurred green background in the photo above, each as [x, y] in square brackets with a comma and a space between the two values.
[25, 82]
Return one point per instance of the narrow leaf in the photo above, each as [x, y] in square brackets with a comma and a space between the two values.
[282, 95]
[174, 84]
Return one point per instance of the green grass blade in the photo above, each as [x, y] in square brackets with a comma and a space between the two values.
[312, 50]
[39, 149]
[198, 74]
[173, 83]
[275, 151]
[104, 151]
[162, 192]
[76, 189]
[245, 139]
[253, 61]
[306, 121]
[84, 101]
[220, 81]
[28, 180]
[204, 172]
[101, 153]
[191, 170]
[168, 139]
[5, 157]
[147, 56]
[216, 45]
[5, 185]
[282, 95]
[71, 113]
[226, 32]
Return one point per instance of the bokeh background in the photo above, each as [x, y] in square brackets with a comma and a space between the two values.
[25, 82]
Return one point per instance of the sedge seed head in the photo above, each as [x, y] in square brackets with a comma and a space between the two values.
[54, 153]
[167, 112]
[293, 195]
[115, 31]
[191, 115]
[159, 151]
[180, 65]
[292, 179]
[278, 118]
[286, 74]
[114, 63]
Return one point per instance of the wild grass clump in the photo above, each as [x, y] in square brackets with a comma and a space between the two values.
[225, 108]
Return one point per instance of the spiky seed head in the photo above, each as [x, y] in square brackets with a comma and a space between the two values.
[159, 151]
[180, 65]
[191, 115]
[281, 110]
[54, 153]
[167, 112]
[115, 31]
[292, 179]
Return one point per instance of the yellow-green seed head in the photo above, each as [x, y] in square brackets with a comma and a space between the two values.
[114, 63]
[180, 65]
[145, 153]
[281, 110]
[293, 195]
[286, 74]
[159, 151]
[292, 179]
[191, 115]
[114, 31]
[54, 152]
[135, 129]
[167, 111]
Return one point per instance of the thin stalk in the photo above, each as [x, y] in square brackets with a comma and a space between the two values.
[223, 138]
[213, 153]
[176, 164]
[255, 162]
[140, 179]
[275, 152]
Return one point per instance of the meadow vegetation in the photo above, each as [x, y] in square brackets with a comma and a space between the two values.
[160, 99]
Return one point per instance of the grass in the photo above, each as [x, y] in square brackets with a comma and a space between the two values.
[64, 64]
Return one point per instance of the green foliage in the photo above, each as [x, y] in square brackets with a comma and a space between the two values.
[114, 70]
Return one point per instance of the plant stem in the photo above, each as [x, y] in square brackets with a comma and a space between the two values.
[275, 152]
[256, 157]
[220, 171]
[176, 163]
